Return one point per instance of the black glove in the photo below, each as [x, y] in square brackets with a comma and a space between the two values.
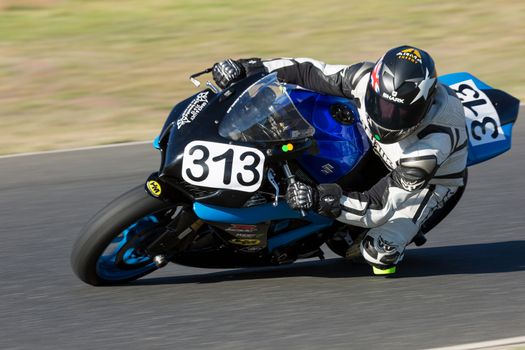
[329, 200]
[325, 199]
[226, 72]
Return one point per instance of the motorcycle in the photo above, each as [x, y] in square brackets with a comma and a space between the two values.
[226, 159]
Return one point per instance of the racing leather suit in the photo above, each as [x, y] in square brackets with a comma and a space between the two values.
[426, 168]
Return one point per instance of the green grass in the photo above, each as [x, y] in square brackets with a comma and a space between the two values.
[85, 72]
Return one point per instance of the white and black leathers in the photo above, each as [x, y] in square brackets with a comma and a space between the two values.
[426, 167]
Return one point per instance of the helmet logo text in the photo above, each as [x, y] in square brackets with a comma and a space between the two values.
[393, 97]
[411, 55]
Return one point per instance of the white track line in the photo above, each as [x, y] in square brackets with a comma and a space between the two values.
[486, 344]
[124, 144]
[93, 147]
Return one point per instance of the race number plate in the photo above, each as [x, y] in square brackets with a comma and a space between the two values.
[483, 123]
[219, 165]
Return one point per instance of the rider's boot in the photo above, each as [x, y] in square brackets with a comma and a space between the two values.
[382, 254]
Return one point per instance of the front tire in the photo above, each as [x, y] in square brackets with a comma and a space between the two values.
[125, 222]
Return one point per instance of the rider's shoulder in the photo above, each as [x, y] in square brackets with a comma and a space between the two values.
[447, 109]
[356, 72]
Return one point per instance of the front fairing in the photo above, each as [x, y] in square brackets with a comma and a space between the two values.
[198, 118]
[203, 127]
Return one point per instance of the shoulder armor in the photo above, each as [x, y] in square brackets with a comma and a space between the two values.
[353, 74]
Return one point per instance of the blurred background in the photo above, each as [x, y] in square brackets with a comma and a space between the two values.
[89, 72]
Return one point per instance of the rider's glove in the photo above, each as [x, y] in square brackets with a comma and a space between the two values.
[325, 199]
[226, 72]
[300, 196]
[329, 200]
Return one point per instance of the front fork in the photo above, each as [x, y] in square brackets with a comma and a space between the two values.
[179, 233]
[176, 238]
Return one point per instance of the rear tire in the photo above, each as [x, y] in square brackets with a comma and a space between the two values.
[104, 229]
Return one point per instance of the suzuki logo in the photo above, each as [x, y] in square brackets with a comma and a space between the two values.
[327, 169]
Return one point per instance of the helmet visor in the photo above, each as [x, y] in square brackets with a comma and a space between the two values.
[390, 115]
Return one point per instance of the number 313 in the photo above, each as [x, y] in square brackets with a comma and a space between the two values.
[218, 165]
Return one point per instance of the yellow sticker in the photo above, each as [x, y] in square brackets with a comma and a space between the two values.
[411, 54]
[413, 51]
[154, 188]
[246, 241]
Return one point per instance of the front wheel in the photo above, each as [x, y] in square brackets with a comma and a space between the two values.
[110, 247]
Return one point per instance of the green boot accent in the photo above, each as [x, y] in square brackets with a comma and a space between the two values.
[389, 271]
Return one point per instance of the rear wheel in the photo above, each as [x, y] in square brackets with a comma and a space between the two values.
[110, 249]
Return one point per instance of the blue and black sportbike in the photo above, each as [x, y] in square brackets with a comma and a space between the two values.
[226, 159]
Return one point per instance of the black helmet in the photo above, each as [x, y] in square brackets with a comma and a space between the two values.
[400, 92]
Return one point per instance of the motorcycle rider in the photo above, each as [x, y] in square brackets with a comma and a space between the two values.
[416, 126]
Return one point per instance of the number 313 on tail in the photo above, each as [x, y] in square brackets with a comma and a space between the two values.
[219, 165]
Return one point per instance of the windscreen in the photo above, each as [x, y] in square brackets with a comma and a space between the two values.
[264, 112]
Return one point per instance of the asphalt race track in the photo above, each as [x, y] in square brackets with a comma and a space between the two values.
[466, 285]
